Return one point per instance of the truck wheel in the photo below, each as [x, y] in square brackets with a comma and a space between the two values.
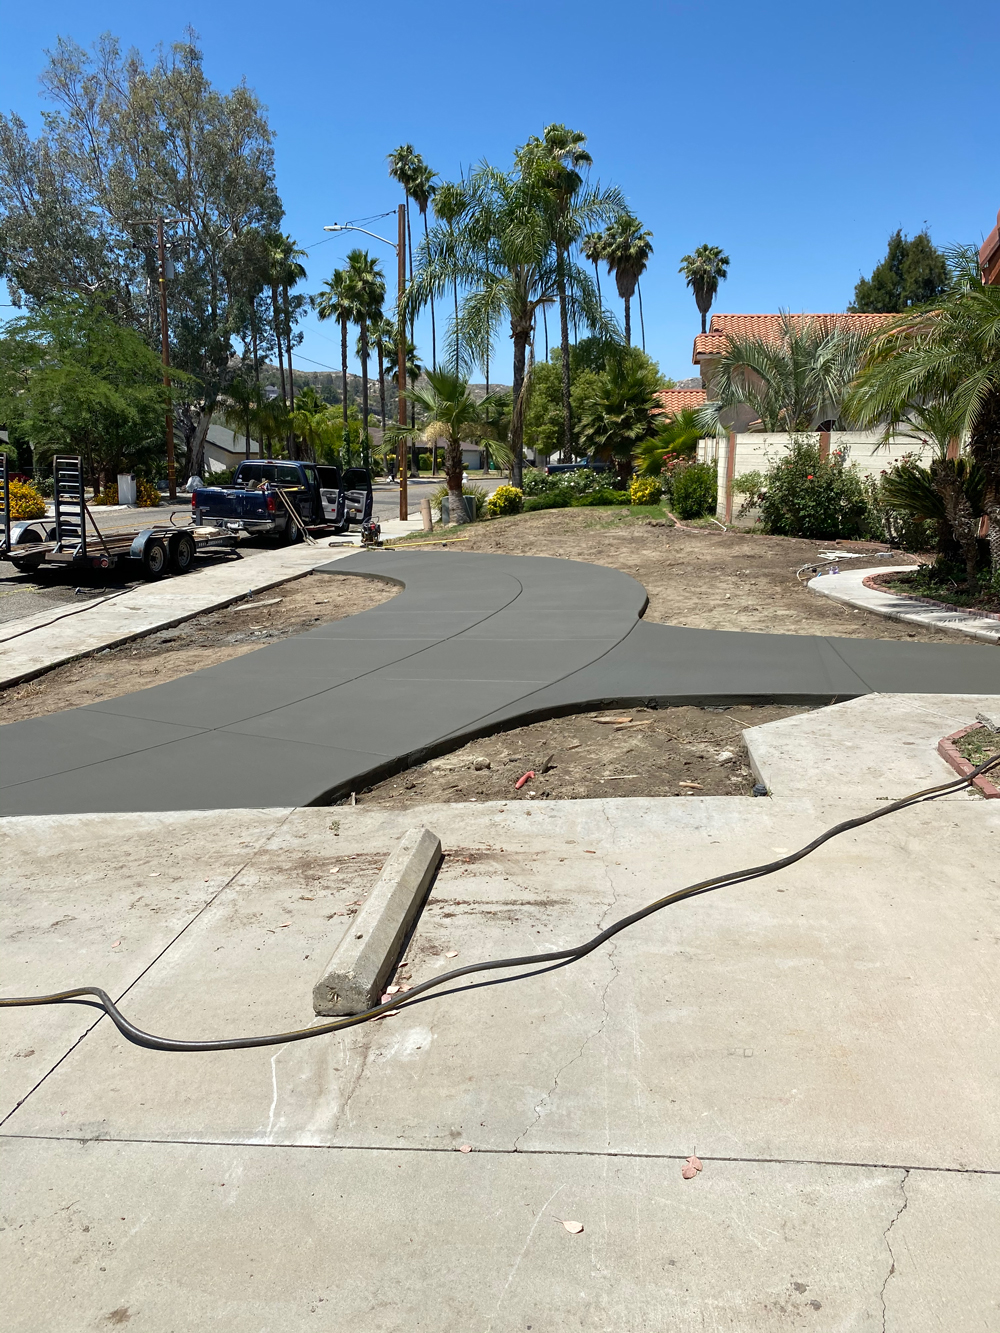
[182, 553]
[292, 534]
[154, 558]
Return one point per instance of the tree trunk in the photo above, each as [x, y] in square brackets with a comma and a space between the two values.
[453, 472]
[457, 341]
[520, 335]
[597, 275]
[381, 382]
[628, 321]
[984, 446]
[642, 322]
[703, 313]
[434, 355]
[277, 338]
[962, 519]
[365, 451]
[196, 449]
[564, 344]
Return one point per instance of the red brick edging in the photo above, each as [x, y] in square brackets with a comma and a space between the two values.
[960, 764]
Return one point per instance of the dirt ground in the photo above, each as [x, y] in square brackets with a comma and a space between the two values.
[628, 752]
[246, 627]
[705, 578]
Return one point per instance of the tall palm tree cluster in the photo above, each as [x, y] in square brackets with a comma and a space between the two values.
[355, 296]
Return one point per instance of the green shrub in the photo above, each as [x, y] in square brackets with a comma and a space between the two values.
[552, 500]
[645, 491]
[806, 496]
[25, 501]
[694, 490]
[505, 500]
[601, 498]
[424, 462]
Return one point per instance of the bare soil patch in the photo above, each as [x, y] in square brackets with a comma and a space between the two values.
[628, 752]
[289, 608]
[704, 578]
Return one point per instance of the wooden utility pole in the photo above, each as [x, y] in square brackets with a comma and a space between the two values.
[165, 343]
[403, 452]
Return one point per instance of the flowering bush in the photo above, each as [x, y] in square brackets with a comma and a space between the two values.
[146, 494]
[645, 491]
[25, 501]
[693, 490]
[505, 500]
[809, 496]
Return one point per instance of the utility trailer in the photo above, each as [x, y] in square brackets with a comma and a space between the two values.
[30, 543]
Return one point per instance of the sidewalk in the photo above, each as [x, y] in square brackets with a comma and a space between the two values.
[37, 643]
[849, 586]
[822, 1039]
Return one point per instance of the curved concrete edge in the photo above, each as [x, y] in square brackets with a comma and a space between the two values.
[849, 587]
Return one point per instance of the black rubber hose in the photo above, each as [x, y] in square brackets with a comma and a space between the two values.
[561, 956]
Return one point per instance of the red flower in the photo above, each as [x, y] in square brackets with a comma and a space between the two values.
[810, 477]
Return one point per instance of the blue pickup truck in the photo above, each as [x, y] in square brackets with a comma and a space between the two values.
[262, 493]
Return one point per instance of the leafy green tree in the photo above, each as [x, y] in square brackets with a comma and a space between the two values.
[544, 422]
[913, 272]
[620, 413]
[74, 380]
[626, 250]
[125, 142]
[703, 271]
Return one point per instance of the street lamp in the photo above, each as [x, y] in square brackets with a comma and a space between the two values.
[400, 248]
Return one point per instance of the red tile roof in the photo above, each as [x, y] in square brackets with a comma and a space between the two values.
[716, 340]
[989, 256]
[676, 400]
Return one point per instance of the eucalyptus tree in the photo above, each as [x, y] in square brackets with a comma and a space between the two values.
[703, 271]
[450, 203]
[559, 157]
[128, 141]
[504, 257]
[626, 250]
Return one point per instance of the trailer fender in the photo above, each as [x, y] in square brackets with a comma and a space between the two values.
[139, 543]
[27, 530]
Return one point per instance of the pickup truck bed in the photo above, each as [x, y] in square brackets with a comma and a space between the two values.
[320, 494]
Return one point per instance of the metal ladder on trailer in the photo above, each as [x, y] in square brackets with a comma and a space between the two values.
[71, 513]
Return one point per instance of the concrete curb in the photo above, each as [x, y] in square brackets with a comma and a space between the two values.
[352, 981]
[850, 587]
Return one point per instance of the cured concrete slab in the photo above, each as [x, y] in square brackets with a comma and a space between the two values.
[472, 643]
[877, 747]
[250, 1240]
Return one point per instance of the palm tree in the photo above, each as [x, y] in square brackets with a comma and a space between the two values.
[383, 336]
[592, 249]
[292, 274]
[503, 256]
[946, 354]
[676, 437]
[422, 191]
[405, 164]
[452, 413]
[626, 252]
[414, 370]
[368, 289]
[275, 243]
[560, 157]
[450, 203]
[619, 413]
[340, 302]
[703, 271]
[797, 379]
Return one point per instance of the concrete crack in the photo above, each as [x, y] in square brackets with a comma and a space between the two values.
[590, 1035]
[888, 1244]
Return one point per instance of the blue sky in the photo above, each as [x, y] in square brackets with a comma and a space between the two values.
[795, 136]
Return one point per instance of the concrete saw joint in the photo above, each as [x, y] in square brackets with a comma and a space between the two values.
[352, 981]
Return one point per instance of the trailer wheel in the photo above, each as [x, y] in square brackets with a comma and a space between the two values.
[182, 553]
[27, 564]
[154, 558]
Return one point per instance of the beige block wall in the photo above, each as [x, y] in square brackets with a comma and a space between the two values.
[757, 451]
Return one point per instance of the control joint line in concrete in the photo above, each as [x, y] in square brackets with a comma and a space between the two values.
[472, 644]
[707, 1158]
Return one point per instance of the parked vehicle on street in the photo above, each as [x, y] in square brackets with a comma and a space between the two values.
[594, 464]
[286, 497]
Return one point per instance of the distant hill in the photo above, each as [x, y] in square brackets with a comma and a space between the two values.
[327, 385]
